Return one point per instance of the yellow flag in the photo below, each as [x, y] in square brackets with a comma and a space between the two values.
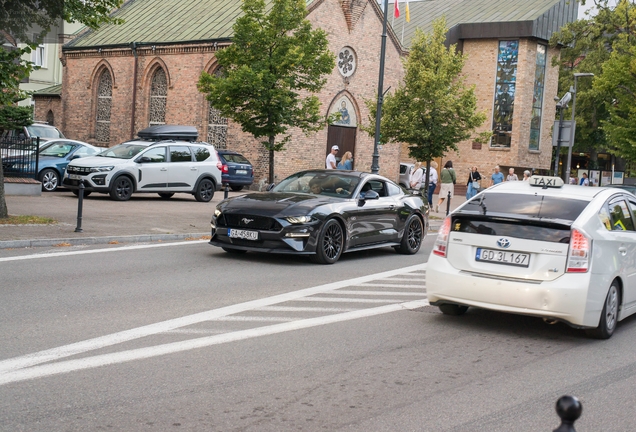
[408, 13]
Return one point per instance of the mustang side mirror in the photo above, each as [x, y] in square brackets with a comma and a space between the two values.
[270, 186]
[143, 159]
[368, 195]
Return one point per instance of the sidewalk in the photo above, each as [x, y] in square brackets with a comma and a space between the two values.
[144, 218]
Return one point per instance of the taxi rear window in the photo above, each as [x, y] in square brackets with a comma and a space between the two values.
[537, 206]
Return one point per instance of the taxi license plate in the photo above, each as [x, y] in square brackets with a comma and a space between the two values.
[242, 234]
[503, 257]
[241, 172]
[75, 176]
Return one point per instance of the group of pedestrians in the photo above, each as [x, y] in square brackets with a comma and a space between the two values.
[346, 162]
[417, 179]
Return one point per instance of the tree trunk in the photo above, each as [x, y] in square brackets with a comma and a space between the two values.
[4, 213]
[271, 159]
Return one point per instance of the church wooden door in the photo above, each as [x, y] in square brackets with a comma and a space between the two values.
[344, 138]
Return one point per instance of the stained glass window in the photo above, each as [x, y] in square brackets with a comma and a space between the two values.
[104, 102]
[505, 87]
[217, 128]
[158, 97]
[537, 97]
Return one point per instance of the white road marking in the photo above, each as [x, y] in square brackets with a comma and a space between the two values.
[95, 251]
[254, 318]
[391, 285]
[347, 300]
[170, 348]
[165, 326]
[302, 309]
[195, 331]
[376, 293]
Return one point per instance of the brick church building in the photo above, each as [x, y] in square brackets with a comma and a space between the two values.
[121, 79]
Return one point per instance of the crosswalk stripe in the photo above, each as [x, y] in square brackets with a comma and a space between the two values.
[388, 285]
[302, 309]
[346, 300]
[376, 293]
[253, 318]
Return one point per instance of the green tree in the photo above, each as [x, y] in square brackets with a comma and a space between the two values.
[268, 74]
[432, 109]
[28, 22]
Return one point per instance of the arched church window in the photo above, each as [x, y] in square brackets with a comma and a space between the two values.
[50, 118]
[158, 97]
[104, 103]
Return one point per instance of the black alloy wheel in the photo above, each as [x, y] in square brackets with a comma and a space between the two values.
[330, 243]
[609, 315]
[50, 180]
[122, 189]
[412, 237]
[166, 195]
[205, 191]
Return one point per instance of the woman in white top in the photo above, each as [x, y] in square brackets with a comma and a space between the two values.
[417, 175]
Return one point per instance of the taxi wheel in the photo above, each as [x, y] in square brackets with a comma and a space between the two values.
[330, 243]
[412, 237]
[453, 309]
[609, 315]
[233, 251]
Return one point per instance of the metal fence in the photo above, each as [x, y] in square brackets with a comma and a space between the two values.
[20, 156]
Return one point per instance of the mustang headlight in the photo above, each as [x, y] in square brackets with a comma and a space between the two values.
[102, 168]
[217, 213]
[298, 219]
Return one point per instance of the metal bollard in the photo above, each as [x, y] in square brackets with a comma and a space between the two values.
[80, 202]
[226, 191]
[448, 203]
[569, 409]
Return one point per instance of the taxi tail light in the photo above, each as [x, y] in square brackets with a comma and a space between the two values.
[441, 242]
[579, 253]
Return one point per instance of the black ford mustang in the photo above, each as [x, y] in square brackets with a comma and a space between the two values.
[322, 213]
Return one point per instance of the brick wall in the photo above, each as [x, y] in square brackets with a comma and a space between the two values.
[44, 104]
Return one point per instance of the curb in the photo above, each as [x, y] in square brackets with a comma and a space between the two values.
[16, 244]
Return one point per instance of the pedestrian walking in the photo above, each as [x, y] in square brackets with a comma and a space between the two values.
[496, 177]
[432, 183]
[416, 177]
[511, 175]
[330, 162]
[584, 180]
[346, 163]
[473, 185]
[448, 178]
[526, 175]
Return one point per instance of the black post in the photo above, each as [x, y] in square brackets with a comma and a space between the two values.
[226, 191]
[37, 157]
[375, 165]
[569, 409]
[80, 202]
[558, 149]
[448, 203]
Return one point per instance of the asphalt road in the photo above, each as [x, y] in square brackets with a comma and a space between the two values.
[186, 337]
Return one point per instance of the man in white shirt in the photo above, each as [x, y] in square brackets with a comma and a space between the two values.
[331, 162]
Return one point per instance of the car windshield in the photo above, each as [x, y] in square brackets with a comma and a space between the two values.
[56, 149]
[236, 158]
[319, 183]
[528, 206]
[123, 151]
[44, 131]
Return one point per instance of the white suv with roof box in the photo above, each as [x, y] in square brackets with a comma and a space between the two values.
[164, 159]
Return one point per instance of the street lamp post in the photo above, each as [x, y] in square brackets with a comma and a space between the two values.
[573, 91]
[375, 166]
[561, 105]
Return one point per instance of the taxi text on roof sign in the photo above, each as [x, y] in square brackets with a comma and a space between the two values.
[546, 181]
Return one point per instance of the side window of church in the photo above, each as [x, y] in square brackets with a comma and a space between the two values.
[104, 103]
[158, 97]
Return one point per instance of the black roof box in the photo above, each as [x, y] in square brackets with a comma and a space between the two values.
[169, 132]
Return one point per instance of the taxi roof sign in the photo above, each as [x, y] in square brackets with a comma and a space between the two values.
[546, 181]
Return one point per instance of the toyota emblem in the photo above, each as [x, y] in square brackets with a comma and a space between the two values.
[503, 243]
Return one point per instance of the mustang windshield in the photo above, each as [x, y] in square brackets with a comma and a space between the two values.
[319, 183]
[123, 151]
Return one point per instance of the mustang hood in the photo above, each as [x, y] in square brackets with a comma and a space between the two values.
[276, 204]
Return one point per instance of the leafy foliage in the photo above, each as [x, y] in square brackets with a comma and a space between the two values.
[268, 73]
[431, 110]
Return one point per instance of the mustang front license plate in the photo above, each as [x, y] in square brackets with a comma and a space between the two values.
[242, 234]
[503, 257]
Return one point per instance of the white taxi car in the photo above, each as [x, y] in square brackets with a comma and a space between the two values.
[540, 248]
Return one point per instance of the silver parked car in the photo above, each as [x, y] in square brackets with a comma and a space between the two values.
[540, 248]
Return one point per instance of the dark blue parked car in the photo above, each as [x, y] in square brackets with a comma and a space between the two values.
[53, 159]
[237, 171]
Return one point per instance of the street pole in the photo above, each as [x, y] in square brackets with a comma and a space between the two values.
[572, 127]
[558, 148]
[375, 166]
